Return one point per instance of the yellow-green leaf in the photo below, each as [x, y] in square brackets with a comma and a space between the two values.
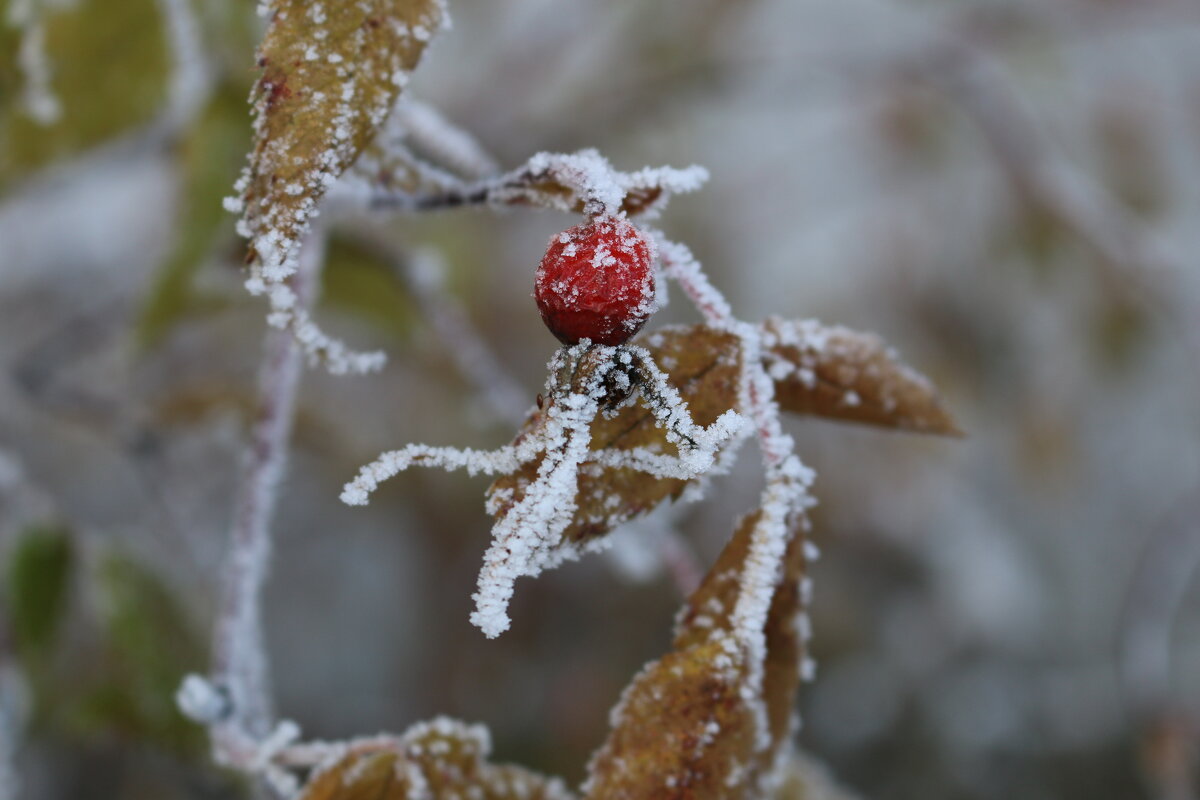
[359, 281]
[331, 72]
[149, 645]
[108, 67]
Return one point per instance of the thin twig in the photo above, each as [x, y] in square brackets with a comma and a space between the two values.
[475, 194]
[448, 145]
[422, 271]
[191, 77]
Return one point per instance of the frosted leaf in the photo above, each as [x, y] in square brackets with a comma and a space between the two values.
[442, 758]
[694, 720]
[630, 467]
[633, 465]
[312, 119]
[843, 374]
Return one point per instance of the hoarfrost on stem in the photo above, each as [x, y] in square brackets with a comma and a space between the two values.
[528, 539]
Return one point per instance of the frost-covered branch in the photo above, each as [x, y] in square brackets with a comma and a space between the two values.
[237, 704]
[392, 463]
[584, 181]
[523, 541]
[679, 264]
[528, 538]
[785, 497]
[289, 315]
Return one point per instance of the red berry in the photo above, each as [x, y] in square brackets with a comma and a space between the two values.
[595, 282]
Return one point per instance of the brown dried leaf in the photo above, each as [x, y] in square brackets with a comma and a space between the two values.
[546, 191]
[846, 375]
[686, 726]
[330, 74]
[711, 606]
[438, 760]
[814, 366]
[702, 364]
[569, 182]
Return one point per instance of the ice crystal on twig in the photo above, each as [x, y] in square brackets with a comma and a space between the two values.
[584, 380]
[584, 182]
[528, 536]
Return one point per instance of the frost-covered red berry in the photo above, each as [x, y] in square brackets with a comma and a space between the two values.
[595, 282]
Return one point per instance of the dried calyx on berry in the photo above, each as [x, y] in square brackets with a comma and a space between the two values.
[595, 282]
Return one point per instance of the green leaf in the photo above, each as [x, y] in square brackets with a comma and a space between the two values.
[149, 646]
[37, 586]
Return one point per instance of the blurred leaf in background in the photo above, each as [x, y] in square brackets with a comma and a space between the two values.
[36, 587]
[210, 156]
[148, 645]
[108, 66]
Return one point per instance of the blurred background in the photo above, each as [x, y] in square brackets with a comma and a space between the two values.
[1008, 191]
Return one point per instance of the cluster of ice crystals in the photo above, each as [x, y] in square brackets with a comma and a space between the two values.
[593, 183]
[528, 539]
[588, 172]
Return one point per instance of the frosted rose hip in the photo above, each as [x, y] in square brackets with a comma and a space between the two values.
[595, 282]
